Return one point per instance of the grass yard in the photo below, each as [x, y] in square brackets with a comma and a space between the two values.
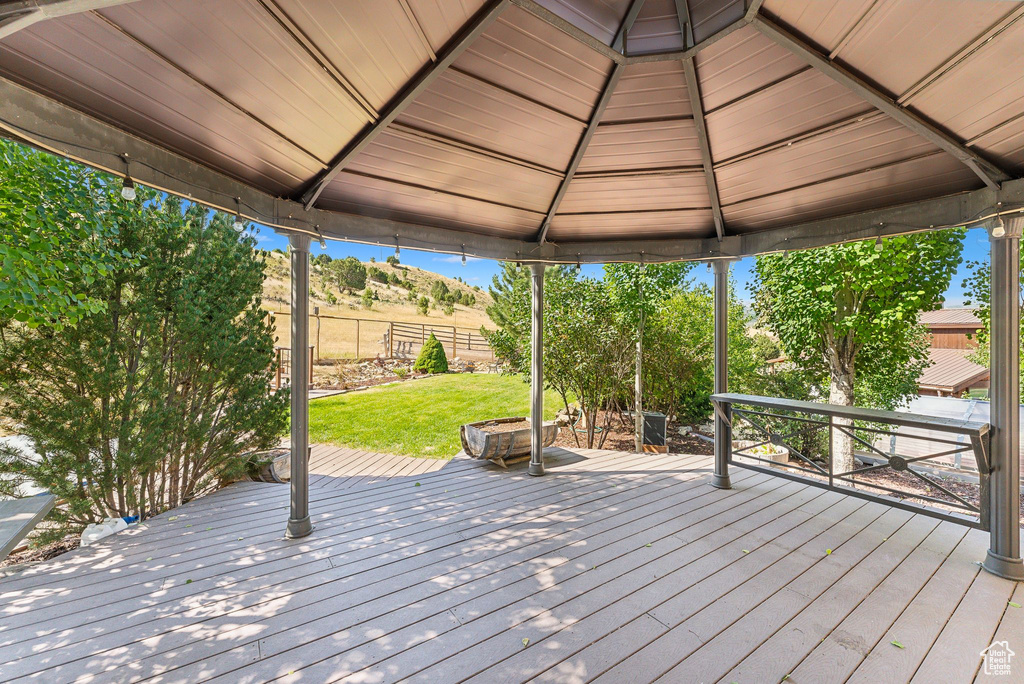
[422, 417]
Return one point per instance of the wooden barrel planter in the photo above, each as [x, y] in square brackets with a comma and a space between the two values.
[485, 440]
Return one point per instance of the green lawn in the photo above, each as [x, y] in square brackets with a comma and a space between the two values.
[422, 417]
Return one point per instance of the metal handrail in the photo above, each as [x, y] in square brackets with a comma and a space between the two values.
[766, 414]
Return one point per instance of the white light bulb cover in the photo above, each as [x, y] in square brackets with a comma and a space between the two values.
[128, 188]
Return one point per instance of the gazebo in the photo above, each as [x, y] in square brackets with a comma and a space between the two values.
[557, 132]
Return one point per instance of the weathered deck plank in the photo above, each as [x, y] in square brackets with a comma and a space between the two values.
[621, 567]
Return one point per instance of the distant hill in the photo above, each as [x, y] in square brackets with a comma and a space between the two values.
[392, 302]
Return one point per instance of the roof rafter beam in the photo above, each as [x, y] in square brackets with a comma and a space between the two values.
[569, 29]
[595, 120]
[685, 24]
[581, 149]
[619, 44]
[407, 96]
[20, 14]
[697, 105]
[984, 169]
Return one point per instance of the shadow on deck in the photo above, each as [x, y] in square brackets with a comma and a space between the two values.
[613, 567]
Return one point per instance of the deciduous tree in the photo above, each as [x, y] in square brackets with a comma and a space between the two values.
[852, 310]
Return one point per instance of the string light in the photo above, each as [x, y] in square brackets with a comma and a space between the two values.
[998, 228]
[463, 255]
[323, 243]
[127, 185]
[398, 248]
[239, 225]
[878, 244]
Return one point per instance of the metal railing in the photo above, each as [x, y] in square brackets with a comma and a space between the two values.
[808, 430]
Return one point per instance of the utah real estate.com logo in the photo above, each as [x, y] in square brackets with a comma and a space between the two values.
[997, 658]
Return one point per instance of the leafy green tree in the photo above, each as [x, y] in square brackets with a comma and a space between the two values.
[448, 308]
[423, 306]
[679, 353]
[432, 358]
[57, 237]
[851, 310]
[349, 274]
[637, 291]
[393, 260]
[374, 273]
[146, 403]
[978, 287]
[368, 296]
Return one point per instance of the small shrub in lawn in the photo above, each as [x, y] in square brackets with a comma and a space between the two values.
[432, 358]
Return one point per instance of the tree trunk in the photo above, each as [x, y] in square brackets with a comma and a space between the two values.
[841, 393]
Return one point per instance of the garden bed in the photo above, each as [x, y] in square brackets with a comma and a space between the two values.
[620, 437]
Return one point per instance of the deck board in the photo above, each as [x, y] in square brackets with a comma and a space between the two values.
[614, 566]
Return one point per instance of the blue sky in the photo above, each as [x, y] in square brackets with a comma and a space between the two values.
[480, 271]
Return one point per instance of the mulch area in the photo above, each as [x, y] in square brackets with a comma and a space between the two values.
[620, 438]
[42, 553]
[968, 491]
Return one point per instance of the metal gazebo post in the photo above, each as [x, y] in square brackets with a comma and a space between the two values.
[537, 371]
[723, 430]
[1003, 556]
[299, 524]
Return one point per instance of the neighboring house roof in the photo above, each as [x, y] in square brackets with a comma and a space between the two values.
[951, 370]
[944, 318]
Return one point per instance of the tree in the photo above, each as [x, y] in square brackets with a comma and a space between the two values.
[978, 288]
[349, 274]
[585, 355]
[147, 403]
[393, 260]
[368, 296]
[852, 310]
[679, 353]
[374, 273]
[439, 290]
[423, 306]
[637, 291]
[432, 358]
[57, 237]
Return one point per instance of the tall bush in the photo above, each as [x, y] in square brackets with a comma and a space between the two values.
[432, 358]
[144, 405]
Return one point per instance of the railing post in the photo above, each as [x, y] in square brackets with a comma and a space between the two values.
[299, 524]
[831, 459]
[723, 420]
[391, 340]
[357, 339]
[1003, 556]
[537, 371]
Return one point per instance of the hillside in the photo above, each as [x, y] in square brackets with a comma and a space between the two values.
[392, 303]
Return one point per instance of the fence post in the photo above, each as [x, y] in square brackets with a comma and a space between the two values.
[455, 346]
[357, 339]
[391, 340]
[278, 380]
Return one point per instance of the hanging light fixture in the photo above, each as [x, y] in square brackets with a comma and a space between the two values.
[127, 185]
[878, 244]
[463, 255]
[998, 228]
[239, 224]
[128, 188]
[323, 243]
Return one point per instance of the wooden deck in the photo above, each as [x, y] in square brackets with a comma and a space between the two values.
[613, 567]
[340, 468]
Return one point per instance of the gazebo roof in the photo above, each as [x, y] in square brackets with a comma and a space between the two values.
[559, 130]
